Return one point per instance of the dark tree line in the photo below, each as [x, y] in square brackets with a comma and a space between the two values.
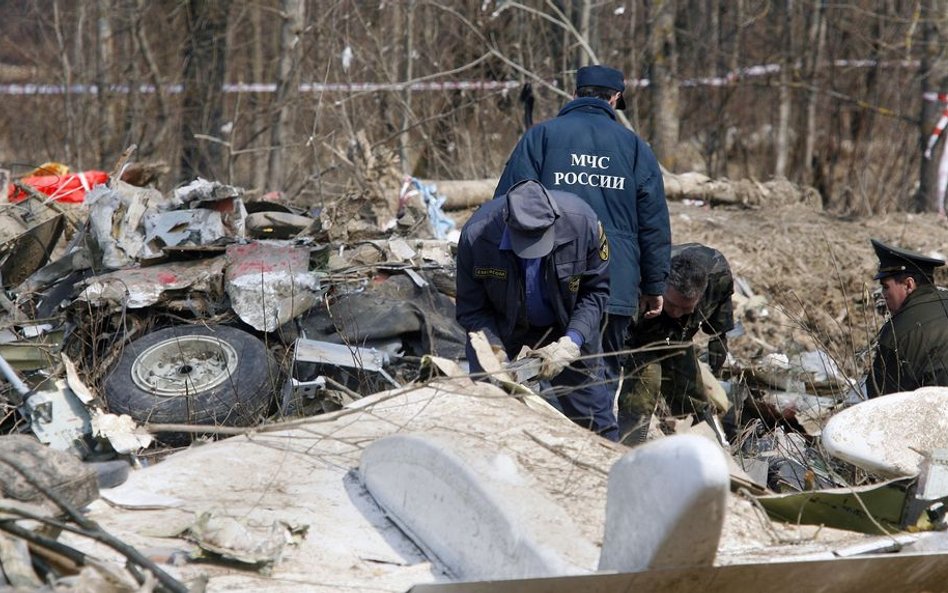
[828, 94]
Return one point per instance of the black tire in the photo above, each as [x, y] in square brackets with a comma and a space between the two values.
[194, 374]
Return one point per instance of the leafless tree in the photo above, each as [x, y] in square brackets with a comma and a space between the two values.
[291, 33]
[204, 64]
[852, 75]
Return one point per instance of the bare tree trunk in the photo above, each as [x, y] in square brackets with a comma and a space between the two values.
[585, 30]
[256, 101]
[202, 100]
[817, 41]
[782, 142]
[733, 67]
[287, 87]
[68, 110]
[631, 95]
[163, 115]
[663, 66]
[714, 35]
[934, 74]
[403, 138]
[103, 62]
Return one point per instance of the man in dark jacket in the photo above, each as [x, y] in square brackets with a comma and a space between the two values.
[532, 271]
[664, 363]
[912, 347]
[584, 150]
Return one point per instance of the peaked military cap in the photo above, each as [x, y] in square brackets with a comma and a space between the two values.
[893, 260]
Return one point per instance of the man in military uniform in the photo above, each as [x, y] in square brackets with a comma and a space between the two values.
[585, 151]
[664, 364]
[532, 271]
[912, 346]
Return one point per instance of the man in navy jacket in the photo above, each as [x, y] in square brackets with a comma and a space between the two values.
[584, 150]
[533, 270]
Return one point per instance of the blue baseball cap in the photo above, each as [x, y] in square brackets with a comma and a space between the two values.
[604, 76]
[531, 212]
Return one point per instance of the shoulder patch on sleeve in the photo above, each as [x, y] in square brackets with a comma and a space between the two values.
[603, 244]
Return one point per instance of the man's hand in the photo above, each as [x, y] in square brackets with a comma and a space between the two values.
[555, 357]
[652, 305]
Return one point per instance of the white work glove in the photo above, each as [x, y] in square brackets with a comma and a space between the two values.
[555, 357]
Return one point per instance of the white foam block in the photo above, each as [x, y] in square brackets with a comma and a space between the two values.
[473, 509]
[665, 506]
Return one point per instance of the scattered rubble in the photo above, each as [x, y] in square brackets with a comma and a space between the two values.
[137, 322]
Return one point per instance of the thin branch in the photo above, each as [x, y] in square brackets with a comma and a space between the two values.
[93, 529]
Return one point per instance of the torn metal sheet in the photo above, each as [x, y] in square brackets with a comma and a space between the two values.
[33, 353]
[77, 260]
[295, 392]
[844, 508]
[116, 221]
[400, 250]
[29, 231]
[141, 287]
[225, 199]
[270, 284]
[239, 539]
[367, 359]
[199, 226]
[328, 353]
[416, 278]
[933, 478]
[277, 225]
[525, 369]
[926, 509]
[202, 190]
[906, 573]
[58, 418]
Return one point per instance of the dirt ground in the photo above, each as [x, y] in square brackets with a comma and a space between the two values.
[813, 269]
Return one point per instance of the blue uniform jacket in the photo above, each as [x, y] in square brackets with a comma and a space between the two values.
[490, 286]
[586, 152]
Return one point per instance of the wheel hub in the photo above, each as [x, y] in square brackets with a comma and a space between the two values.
[184, 365]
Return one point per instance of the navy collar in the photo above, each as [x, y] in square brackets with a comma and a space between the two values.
[588, 104]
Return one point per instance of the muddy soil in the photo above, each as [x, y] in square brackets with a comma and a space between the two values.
[814, 270]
